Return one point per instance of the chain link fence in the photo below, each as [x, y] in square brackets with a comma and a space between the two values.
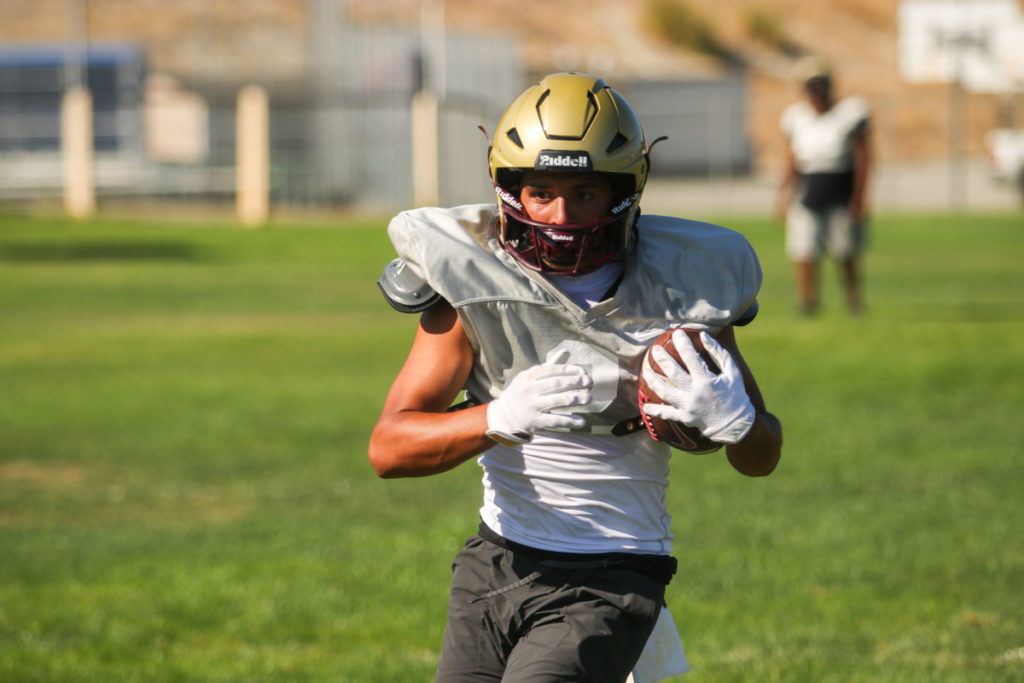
[164, 114]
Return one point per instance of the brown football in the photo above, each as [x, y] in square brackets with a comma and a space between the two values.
[675, 434]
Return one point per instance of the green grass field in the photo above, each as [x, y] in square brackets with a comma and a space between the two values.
[185, 496]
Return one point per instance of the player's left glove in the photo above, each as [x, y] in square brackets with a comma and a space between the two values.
[716, 404]
[539, 398]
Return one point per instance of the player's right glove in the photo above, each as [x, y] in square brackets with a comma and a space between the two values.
[535, 399]
[716, 404]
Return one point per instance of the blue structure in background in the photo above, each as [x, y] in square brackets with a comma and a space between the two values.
[34, 78]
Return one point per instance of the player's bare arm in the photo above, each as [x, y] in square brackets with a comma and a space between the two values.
[787, 184]
[414, 436]
[861, 173]
[759, 452]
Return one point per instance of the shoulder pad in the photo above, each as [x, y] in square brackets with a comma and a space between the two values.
[748, 316]
[404, 290]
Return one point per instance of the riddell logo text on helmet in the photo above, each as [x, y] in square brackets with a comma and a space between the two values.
[625, 203]
[550, 159]
[509, 198]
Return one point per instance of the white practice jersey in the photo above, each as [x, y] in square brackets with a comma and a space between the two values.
[584, 491]
[823, 143]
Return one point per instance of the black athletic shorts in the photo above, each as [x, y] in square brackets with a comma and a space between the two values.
[520, 614]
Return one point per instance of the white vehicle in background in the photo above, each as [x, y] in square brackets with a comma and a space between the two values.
[1005, 149]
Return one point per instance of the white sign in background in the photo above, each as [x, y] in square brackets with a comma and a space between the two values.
[979, 43]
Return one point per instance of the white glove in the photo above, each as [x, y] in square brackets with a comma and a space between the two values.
[717, 405]
[529, 401]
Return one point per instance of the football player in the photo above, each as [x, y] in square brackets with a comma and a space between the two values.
[541, 307]
[823, 192]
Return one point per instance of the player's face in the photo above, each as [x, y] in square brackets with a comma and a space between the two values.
[559, 198]
[819, 93]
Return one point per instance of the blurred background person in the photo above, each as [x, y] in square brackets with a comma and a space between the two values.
[822, 195]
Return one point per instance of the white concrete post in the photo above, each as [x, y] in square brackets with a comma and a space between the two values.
[252, 156]
[425, 149]
[77, 152]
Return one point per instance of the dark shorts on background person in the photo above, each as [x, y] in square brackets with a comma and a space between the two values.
[519, 614]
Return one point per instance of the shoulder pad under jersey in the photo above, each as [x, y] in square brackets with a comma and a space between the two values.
[405, 290]
[749, 315]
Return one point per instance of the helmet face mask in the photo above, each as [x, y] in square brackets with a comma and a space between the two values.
[568, 123]
[572, 249]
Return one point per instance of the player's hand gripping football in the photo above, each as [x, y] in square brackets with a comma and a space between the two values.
[531, 400]
[716, 404]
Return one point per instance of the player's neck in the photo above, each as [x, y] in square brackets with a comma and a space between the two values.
[592, 288]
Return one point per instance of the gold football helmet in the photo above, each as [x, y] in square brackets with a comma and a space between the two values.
[576, 123]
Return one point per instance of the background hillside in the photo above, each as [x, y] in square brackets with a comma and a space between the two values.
[859, 37]
[306, 52]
